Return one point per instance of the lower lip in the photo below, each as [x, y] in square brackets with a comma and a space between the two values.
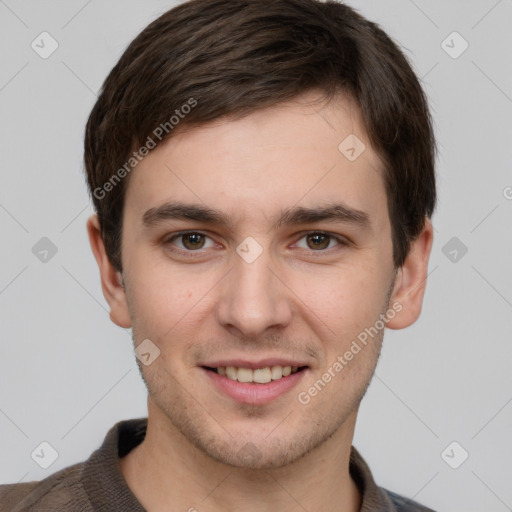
[255, 394]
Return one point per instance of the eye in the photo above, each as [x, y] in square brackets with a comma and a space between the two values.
[190, 241]
[319, 241]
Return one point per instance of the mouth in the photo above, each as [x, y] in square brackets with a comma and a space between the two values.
[262, 375]
[256, 385]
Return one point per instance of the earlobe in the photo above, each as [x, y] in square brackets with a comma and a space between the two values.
[112, 282]
[411, 280]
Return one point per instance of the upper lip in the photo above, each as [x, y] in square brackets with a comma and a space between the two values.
[261, 363]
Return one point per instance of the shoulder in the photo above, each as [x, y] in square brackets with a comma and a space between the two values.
[62, 490]
[403, 504]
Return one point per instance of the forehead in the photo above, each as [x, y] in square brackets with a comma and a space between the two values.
[301, 152]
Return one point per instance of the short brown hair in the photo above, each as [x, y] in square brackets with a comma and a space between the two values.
[233, 57]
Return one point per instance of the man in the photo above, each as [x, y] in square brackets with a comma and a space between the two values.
[263, 177]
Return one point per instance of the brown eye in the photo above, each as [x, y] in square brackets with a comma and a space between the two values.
[193, 241]
[189, 241]
[318, 241]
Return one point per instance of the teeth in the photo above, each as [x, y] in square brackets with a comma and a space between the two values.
[276, 372]
[244, 375]
[260, 375]
[231, 372]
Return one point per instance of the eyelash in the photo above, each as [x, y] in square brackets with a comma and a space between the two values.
[342, 242]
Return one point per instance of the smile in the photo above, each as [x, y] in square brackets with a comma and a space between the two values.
[254, 386]
[256, 376]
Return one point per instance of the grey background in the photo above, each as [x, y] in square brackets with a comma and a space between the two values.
[68, 374]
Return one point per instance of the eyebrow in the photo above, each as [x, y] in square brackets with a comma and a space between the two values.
[333, 212]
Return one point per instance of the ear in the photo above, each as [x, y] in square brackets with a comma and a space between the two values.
[111, 279]
[411, 280]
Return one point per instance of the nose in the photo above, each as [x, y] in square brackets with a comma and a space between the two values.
[253, 298]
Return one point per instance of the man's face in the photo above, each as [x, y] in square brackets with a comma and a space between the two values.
[256, 290]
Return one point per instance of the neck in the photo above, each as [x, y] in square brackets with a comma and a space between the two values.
[167, 472]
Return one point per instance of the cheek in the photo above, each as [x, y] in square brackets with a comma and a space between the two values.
[345, 301]
[161, 299]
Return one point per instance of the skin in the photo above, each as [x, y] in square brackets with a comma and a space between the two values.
[294, 300]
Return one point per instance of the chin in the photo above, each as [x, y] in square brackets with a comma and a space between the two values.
[257, 454]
